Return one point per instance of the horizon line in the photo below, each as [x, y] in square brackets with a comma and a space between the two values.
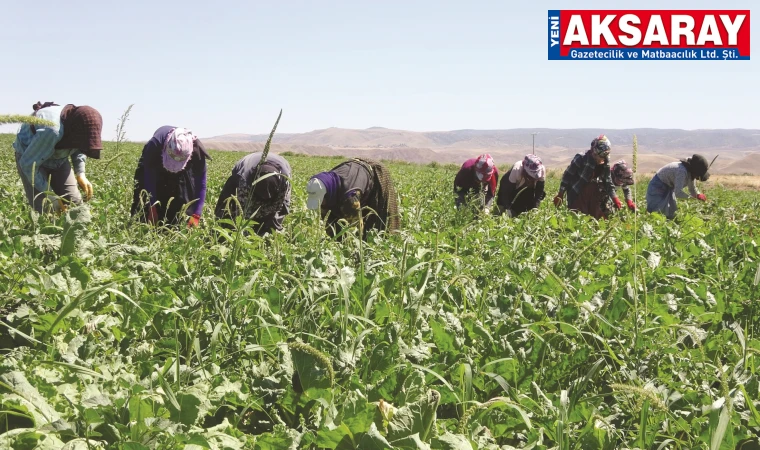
[527, 129]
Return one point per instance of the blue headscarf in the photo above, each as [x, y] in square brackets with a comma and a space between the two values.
[332, 183]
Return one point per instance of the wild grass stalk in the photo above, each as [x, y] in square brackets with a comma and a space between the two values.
[9, 119]
[635, 163]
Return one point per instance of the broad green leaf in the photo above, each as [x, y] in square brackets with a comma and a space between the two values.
[373, 440]
[311, 369]
[357, 414]
[442, 338]
[412, 442]
[75, 230]
[19, 388]
[187, 414]
[280, 439]
[450, 441]
[415, 418]
[332, 438]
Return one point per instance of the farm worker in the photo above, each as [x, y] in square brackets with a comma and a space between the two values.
[357, 186]
[43, 154]
[476, 176]
[671, 179]
[270, 196]
[170, 178]
[522, 188]
[622, 176]
[588, 181]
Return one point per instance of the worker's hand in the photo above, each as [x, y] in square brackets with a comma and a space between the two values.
[617, 202]
[487, 210]
[152, 215]
[558, 200]
[86, 186]
[702, 197]
[631, 205]
[59, 205]
[194, 221]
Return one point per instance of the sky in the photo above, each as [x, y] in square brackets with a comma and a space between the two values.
[219, 67]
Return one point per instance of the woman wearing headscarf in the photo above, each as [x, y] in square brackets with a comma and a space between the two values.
[477, 176]
[43, 153]
[522, 188]
[170, 178]
[669, 182]
[268, 200]
[588, 182]
[356, 188]
[622, 176]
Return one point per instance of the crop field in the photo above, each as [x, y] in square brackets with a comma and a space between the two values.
[550, 330]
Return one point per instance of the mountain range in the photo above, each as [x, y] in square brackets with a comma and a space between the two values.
[739, 149]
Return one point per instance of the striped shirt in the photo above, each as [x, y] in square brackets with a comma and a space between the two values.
[36, 150]
[627, 193]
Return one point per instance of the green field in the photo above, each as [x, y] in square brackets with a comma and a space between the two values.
[546, 331]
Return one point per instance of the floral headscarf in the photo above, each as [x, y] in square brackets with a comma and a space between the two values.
[178, 149]
[534, 167]
[622, 175]
[485, 169]
[601, 146]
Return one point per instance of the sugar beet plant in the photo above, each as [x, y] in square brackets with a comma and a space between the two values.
[546, 331]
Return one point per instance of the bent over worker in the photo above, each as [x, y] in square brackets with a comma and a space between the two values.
[52, 157]
[357, 188]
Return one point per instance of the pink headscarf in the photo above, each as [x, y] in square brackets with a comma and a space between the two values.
[534, 167]
[178, 149]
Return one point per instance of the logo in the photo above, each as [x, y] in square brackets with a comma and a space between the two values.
[649, 35]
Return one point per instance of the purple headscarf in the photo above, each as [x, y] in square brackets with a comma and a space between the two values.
[331, 180]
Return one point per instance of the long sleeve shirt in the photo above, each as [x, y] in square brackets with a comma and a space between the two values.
[37, 149]
[514, 181]
[580, 172]
[627, 193]
[467, 181]
[676, 176]
[153, 170]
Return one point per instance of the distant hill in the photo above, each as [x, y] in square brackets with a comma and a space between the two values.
[739, 149]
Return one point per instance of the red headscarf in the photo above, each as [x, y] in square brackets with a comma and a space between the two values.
[486, 171]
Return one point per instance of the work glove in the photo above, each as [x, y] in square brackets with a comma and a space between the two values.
[152, 215]
[194, 221]
[558, 200]
[85, 184]
[631, 205]
[618, 205]
[59, 205]
[487, 210]
[702, 197]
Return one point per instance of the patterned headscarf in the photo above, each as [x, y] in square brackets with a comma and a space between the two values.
[484, 167]
[534, 167]
[178, 149]
[622, 175]
[601, 146]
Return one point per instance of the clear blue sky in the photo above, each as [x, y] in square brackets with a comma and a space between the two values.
[228, 67]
